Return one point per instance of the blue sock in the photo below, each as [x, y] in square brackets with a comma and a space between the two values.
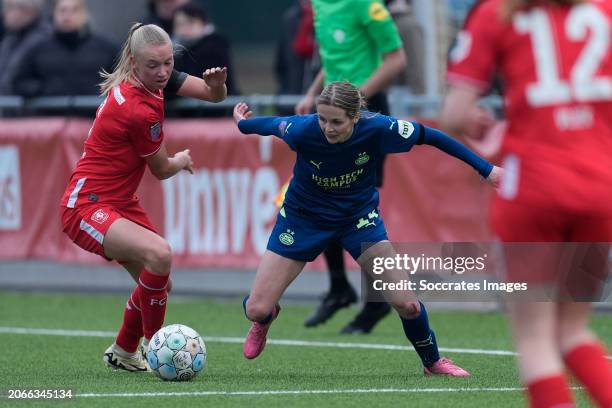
[267, 320]
[421, 336]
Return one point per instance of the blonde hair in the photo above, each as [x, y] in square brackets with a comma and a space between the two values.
[512, 6]
[343, 95]
[139, 36]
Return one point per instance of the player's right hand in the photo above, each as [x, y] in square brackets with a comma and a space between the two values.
[304, 107]
[185, 159]
[241, 111]
[495, 177]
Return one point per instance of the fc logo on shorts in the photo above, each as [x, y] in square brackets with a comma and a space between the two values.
[286, 238]
[99, 216]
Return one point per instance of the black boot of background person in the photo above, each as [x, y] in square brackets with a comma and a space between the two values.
[372, 313]
[341, 294]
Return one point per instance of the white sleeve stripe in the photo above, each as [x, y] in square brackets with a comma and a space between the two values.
[152, 153]
[74, 195]
[92, 232]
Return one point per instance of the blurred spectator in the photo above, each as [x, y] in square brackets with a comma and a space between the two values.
[24, 27]
[411, 32]
[161, 13]
[296, 61]
[204, 46]
[68, 61]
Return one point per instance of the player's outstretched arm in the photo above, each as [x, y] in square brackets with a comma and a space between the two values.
[164, 167]
[211, 87]
[460, 114]
[264, 125]
[447, 144]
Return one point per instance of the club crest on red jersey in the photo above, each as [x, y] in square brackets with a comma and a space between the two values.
[155, 131]
[99, 216]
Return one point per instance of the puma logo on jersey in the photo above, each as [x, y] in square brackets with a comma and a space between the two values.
[317, 165]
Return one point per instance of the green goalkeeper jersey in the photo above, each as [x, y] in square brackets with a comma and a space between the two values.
[353, 35]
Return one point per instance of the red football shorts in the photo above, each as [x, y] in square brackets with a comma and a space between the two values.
[87, 226]
[548, 245]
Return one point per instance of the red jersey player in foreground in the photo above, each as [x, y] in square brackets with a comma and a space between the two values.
[555, 63]
[99, 210]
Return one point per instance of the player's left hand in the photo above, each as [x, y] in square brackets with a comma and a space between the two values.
[495, 176]
[478, 122]
[215, 77]
[241, 111]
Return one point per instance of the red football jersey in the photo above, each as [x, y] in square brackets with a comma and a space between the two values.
[555, 63]
[127, 129]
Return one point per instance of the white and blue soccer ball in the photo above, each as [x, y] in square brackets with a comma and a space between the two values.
[176, 353]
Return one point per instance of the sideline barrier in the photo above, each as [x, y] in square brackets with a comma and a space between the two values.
[222, 215]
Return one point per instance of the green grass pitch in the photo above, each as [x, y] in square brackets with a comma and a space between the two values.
[287, 374]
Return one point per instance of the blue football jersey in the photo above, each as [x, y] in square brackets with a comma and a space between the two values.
[333, 182]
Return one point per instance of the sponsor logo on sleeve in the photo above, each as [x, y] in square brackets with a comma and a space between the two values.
[378, 12]
[282, 127]
[156, 131]
[404, 128]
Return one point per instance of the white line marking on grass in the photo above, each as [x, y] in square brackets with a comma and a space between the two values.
[304, 392]
[278, 342]
[297, 392]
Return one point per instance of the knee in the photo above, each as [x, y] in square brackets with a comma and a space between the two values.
[256, 311]
[159, 258]
[407, 309]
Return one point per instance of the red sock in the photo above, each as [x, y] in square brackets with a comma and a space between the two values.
[550, 392]
[153, 297]
[131, 329]
[589, 364]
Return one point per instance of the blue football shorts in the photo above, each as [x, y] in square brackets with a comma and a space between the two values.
[302, 238]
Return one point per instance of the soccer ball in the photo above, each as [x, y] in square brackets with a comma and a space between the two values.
[176, 353]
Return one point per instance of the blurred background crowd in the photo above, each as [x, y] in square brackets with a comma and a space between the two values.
[54, 48]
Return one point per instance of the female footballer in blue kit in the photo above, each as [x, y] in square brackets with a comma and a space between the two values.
[333, 196]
